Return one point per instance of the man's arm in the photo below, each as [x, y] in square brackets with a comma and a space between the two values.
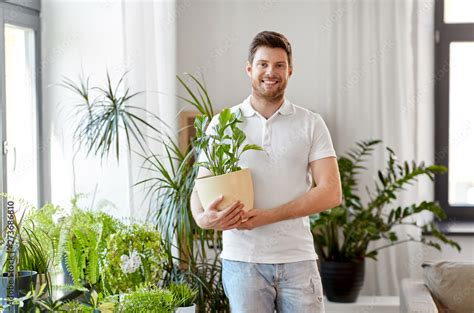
[326, 195]
[212, 218]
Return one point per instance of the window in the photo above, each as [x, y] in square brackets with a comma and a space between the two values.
[20, 158]
[454, 135]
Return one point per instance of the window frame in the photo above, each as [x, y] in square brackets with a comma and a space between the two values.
[444, 35]
[23, 13]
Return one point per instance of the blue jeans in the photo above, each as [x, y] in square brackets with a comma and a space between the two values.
[263, 288]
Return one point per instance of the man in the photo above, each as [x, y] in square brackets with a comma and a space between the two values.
[268, 257]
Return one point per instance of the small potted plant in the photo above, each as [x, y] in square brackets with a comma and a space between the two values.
[222, 147]
[184, 297]
[147, 298]
[21, 258]
[342, 234]
[134, 256]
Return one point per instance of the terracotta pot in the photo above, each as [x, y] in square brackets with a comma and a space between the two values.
[234, 186]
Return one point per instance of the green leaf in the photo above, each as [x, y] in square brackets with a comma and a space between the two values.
[252, 147]
[224, 117]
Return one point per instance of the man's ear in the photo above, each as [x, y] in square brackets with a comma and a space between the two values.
[290, 71]
[248, 69]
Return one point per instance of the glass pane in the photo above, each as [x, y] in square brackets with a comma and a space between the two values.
[22, 161]
[461, 123]
[459, 11]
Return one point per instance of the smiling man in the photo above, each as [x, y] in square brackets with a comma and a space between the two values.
[268, 257]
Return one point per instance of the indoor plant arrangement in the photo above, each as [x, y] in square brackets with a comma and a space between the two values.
[170, 191]
[84, 239]
[342, 234]
[221, 147]
[170, 186]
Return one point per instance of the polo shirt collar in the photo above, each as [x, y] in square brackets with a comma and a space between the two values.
[247, 109]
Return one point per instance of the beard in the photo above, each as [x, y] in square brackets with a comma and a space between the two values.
[270, 94]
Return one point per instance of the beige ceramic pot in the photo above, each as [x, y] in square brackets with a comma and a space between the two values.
[234, 186]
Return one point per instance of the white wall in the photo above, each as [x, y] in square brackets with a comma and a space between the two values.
[449, 254]
[92, 37]
[214, 36]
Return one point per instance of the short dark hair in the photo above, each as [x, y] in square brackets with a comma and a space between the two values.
[272, 40]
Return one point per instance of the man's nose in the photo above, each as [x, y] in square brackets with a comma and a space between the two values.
[269, 69]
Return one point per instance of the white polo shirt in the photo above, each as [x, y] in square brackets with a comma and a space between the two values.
[292, 138]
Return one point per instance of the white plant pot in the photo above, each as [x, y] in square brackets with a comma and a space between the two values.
[234, 186]
[186, 309]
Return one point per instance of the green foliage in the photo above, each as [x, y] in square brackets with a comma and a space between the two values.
[183, 294]
[169, 191]
[41, 301]
[344, 233]
[47, 227]
[148, 299]
[141, 242]
[104, 112]
[83, 240]
[102, 119]
[82, 255]
[223, 145]
[75, 307]
[29, 248]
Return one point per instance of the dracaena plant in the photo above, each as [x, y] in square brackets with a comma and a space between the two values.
[223, 145]
[105, 113]
[344, 233]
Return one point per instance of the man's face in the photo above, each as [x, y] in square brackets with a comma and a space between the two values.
[269, 73]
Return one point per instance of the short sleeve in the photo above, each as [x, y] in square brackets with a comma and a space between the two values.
[321, 143]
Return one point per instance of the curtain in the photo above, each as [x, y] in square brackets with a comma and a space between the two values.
[149, 29]
[376, 82]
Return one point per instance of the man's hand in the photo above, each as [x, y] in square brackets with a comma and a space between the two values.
[255, 218]
[229, 218]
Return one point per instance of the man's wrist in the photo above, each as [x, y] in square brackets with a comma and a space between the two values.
[273, 215]
[279, 213]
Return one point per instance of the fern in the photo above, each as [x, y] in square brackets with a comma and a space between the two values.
[93, 256]
[72, 263]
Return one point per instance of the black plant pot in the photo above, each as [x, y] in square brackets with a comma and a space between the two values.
[342, 281]
[22, 284]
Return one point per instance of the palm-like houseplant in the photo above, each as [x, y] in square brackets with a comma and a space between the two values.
[169, 190]
[342, 235]
[104, 112]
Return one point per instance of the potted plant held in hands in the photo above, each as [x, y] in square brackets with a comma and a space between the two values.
[342, 234]
[221, 147]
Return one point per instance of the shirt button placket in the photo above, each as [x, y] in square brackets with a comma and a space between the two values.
[267, 137]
